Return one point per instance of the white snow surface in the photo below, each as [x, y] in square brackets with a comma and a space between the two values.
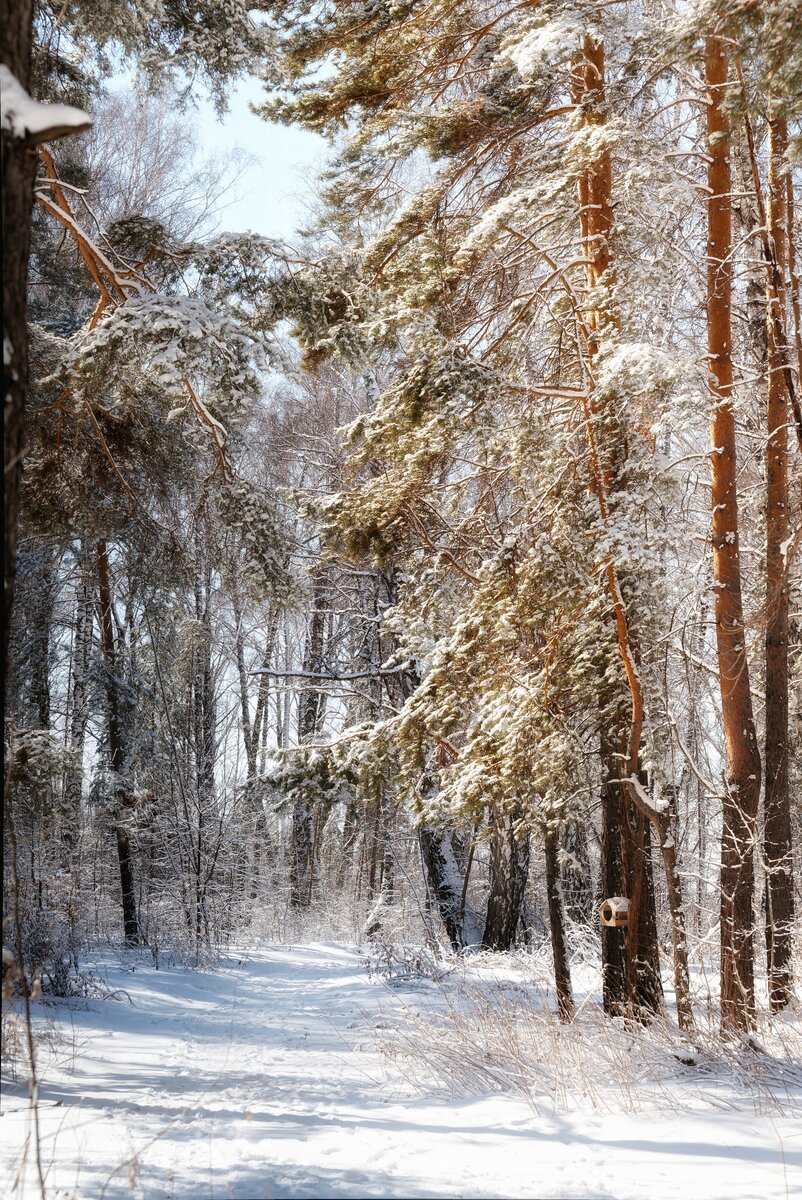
[23, 117]
[262, 1079]
[542, 45]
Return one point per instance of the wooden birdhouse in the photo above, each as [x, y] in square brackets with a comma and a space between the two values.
[614, 912]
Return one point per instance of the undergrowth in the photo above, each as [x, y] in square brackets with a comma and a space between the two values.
[476, 1034]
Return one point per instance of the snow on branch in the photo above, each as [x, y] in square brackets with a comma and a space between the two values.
[655, 806]
[330, 677]
[30, 120]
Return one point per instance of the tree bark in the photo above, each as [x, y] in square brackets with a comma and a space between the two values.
[311, 710]
[596, 223]
[743, 758]
[630, 956]
[204, 733]
[562, 971]
[78, 713]
[445, 881]
[19, 163]
[117, 748]
[777, 843]
[509, 870]
[19, 172]
[31, 636]
[250, 730]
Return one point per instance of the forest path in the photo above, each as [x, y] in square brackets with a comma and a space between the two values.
[258, 1081]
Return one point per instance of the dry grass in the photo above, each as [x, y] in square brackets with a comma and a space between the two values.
[477, 1035]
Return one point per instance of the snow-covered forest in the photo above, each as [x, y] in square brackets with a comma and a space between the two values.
[403, 619]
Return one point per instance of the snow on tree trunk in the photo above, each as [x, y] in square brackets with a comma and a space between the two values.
[446, 884]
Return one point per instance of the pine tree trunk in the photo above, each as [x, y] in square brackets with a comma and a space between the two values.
[509, 870]
[743, 759]
[311, 710]
[205, 743]
[203, 687]
[630, 956]
[40, 608]
[642, 958]
[777, 844]
[665, 828]
[252, 737]
[446, 885]
[613, 882]
[31, 639]
[78, 710]
[350, 841]
[302, 864]
[562, 971]
[250, 730]
[19, 171]
[644, 985]
[117, 749]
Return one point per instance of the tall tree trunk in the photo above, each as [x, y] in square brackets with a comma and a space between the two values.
[41, 609]
[630, 956]
[262, 843]
[596, 224]
[350, 840]
[509, 870]
[117, 748]
[777, 845]
[78, 702]
[743, 758]
[302, 865]
[613, 882]
[250, 729]
[203, 685]
[311, 710]
[30, 654]
[697, 794]
[445, 881]
[644, 985]
[562, 971]
[19, 171]
[261, 719]
[205, 743]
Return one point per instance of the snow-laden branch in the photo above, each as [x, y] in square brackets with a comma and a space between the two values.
[32, 121]
[330, 677]
[654, 807]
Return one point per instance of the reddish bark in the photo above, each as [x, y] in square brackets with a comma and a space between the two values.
[641, 968]
[743, 758]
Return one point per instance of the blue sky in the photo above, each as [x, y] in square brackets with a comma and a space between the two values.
[269, 199]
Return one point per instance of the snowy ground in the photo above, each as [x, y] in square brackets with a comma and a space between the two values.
[262, 1080]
